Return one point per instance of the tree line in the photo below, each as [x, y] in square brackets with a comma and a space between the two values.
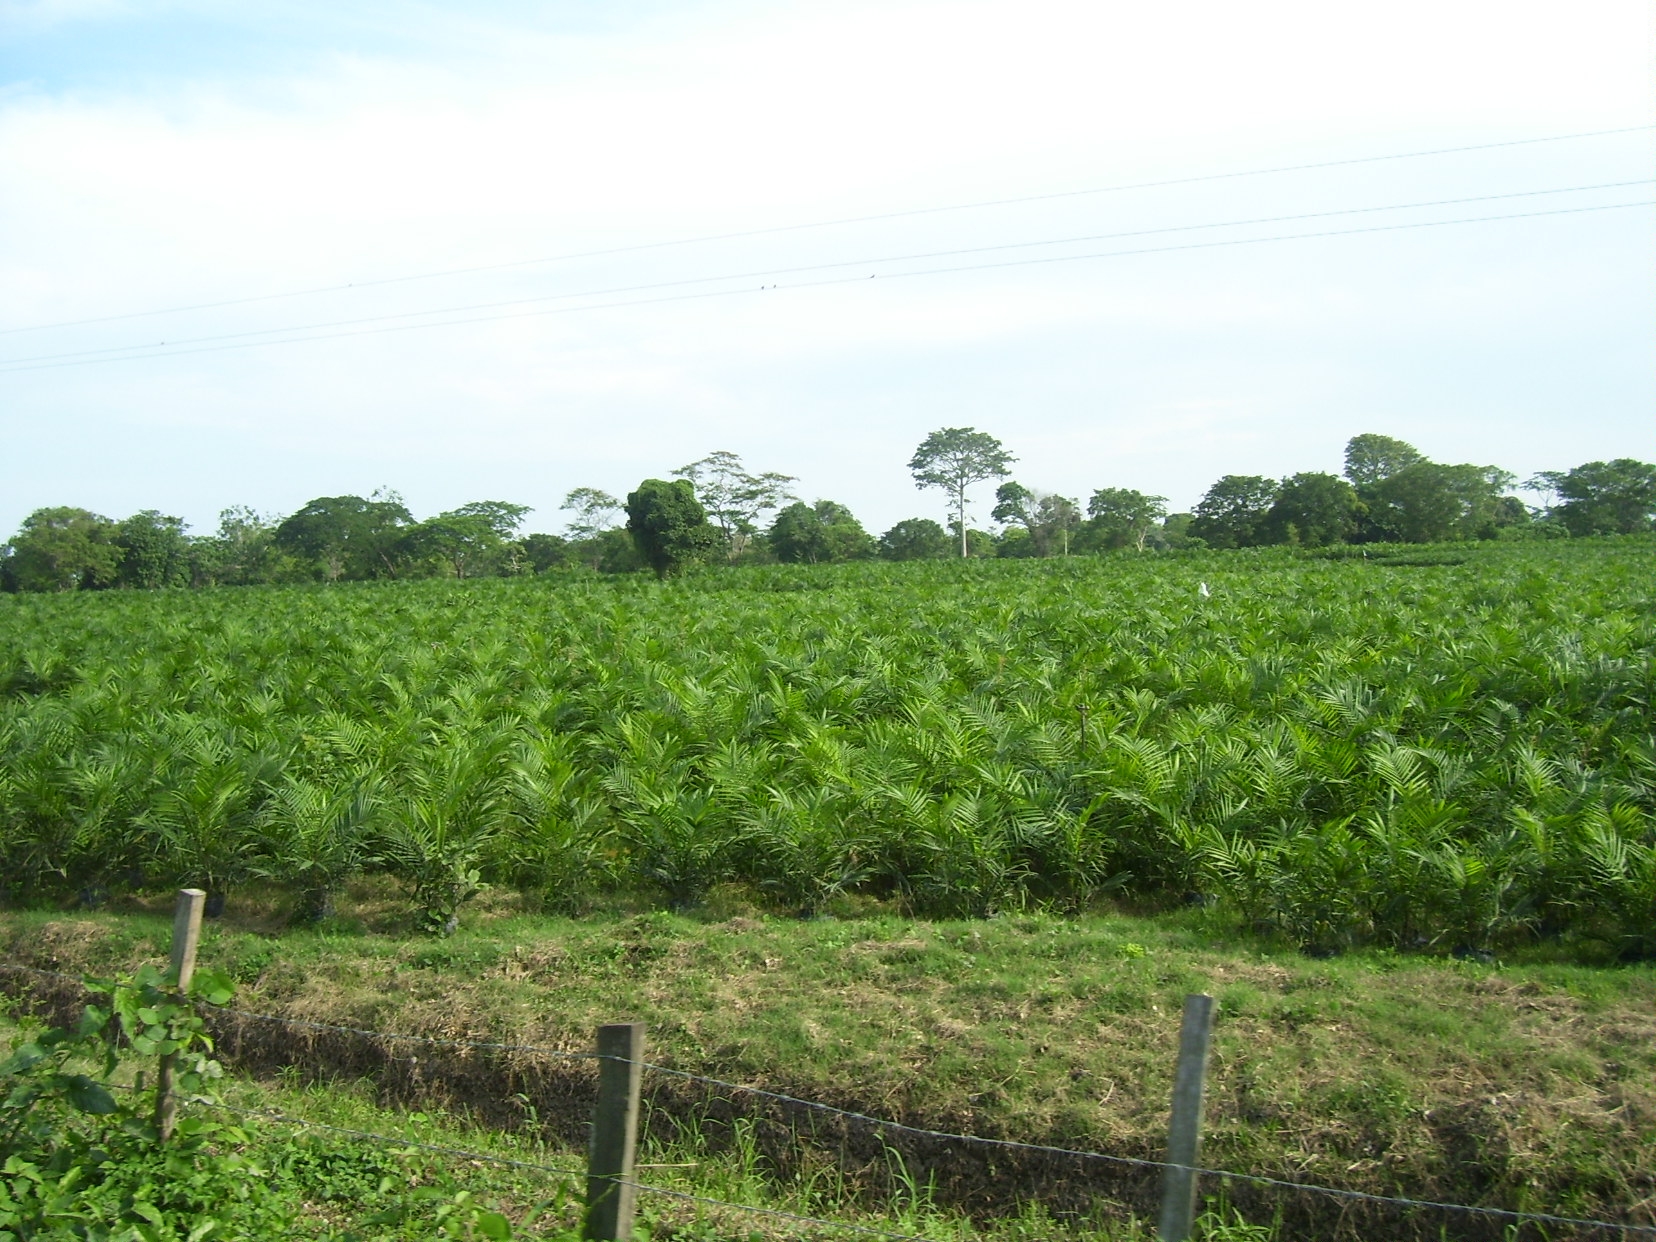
[714, 510]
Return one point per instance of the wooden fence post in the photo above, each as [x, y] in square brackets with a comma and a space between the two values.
[610, 1194]
[186, 936]
[1184, 1134]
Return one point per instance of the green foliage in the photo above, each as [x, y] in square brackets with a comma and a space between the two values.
[669, 526]
[347, 536]
[1312, 510]
[1046, 521]
[154, 551]
[1430, 748]
[82, 1159]
[818, 534]
[1232, 513]
[1371, 458]
[1603, 497]
[243, 551]
[915, 539]
[734, 499]
[954, 458]
[63, 549]
[539, 553]
[473, 540]
[1121, 518]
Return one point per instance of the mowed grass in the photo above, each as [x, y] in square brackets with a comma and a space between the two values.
[1524, 1084]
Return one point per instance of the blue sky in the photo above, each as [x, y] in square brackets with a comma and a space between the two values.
[168, 155]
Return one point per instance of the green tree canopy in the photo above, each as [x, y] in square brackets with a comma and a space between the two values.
[348, 536]
[815, 534]
[915, 539]
[1602, 497]
[63, 549]
[243, 551]
[734, 499]
[1370, 458]
[1426, 501]
[1313, 509]
[1047, 519]
[595, 512]
[1014, 503]
[540, 553]
[154, 551]
[954, 458]
[470, 541]
[1121, 517]
[1232, 513]
[597, 515]
[669, 526]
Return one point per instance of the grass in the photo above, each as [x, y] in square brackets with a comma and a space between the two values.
[1514, 1084]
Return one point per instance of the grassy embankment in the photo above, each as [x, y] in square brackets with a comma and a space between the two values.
[1520, 1085]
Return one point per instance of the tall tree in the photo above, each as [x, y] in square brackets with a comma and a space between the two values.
[734, 499]
[1602, 497]
[1014, 504]
[1121, 516]
[1313, 509]
[595, 512]
[471, 541]
[1232, 513]
[243, 551]
[1426, 501]
[63, 549]
[954, 458]
[1056, 519]
[1370, 458]
[669, 526]
[1048, 519]
[154, 551]
[348, 536]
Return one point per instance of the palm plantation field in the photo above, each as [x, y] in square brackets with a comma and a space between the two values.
[1443, 751]
[1394, 811]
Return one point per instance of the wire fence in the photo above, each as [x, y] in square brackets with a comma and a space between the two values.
[875, 1123]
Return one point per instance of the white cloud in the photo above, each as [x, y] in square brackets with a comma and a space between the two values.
[455, 139]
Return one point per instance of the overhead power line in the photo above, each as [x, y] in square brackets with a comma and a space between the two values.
[148, 348]
[823, 224]
[836, 280]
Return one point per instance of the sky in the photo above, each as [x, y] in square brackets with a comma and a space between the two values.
[252, 255]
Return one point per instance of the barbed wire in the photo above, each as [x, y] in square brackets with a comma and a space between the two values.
[1138, 1163]
[882, 1123]
[535, 1167]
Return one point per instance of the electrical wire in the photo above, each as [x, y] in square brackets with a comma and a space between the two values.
[814, 267]
[833, 223]
[878, 1123]
[161, 351]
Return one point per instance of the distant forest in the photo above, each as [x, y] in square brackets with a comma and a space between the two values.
[715, 511]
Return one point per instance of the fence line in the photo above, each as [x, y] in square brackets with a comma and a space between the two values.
[466, 1153]
[884, 1123]
[532, 1167]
